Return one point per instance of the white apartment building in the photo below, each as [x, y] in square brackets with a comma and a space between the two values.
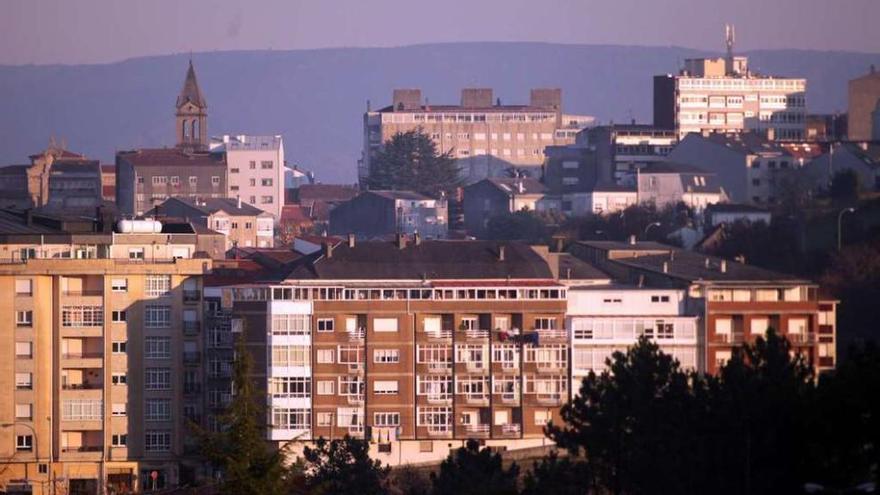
[722, 94]
[255, 167]
[607, 318]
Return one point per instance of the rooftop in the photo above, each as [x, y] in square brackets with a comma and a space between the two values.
[511, 186]
[241, 142]
[407, 195]
[440, 259]
[213, 205]
[745, 143]
[170, 157]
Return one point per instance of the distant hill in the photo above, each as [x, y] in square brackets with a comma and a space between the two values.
[316, 98]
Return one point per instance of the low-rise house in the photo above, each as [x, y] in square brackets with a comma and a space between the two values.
[379, 214]
[861, 158]
[243, 224]
[497, 196]
[670, 183]
[730, 213]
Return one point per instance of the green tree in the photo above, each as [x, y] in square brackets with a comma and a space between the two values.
[410, 161]
[558, 477]
[343, 467]
[471, 471]
[247, 463]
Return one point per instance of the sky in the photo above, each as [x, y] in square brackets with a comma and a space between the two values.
[101, 31]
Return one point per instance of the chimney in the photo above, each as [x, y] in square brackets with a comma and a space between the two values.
[723, 266]
[417, 239]
[239, 202]
[641, 281]
[500, 253]
[665, 267]
[706, 262]
[632, 240]
[351, 240]
[560, 244]
[327, 249]
[520, 187]
[401, 241]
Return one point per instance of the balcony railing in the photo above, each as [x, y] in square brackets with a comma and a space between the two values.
[82, 386]
[800, 338]
[439, 398]
[79, 293]
[553, 334]
[355, 400]
[357, 335]
[82, 355]
[190, 296]
[439, 334]
[510, 398]
[550, 367]
[477, 400]
[191, 328]
[730, 338]
[550, 399]
[439, 430]
[478, 429]
[510, 429]
[476, 334]
[82, 448]
[355, 367]
[826, 361]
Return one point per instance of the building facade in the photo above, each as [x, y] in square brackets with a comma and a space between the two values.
[255, 169]
[864, 98]
[56, 179]
[498, 196]
[242, 224]
[486, 138]
[377, 214]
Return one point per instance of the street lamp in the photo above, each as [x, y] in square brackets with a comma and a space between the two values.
[652, 224]
[839, 220]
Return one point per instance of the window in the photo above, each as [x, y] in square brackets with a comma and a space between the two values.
[385, 387]
[23, 287]
[797, 326]
[24, 318]
[291, 419]
[193, 180]
[542, 418]
[266, 165]
[437, 387]
[351, 385]
[266, 182]
[655, 299]
[215, 181]
[119, 378]
[82, 316]
[118, 440]
[24, 442]
[426, 354]
[291, 325]
[386, 419]
[570, 181]
[290, 355]
[439, 418]
[252, 182]
[386, 356]
[175, 180]
[159, 180]
[157, 316]
[117, 316]
[119, 285]
[266, 200]
[350, 354]
[24, 350]
[325, 324]
[759, 326]
[326, 356]
[24, 411]
[233, 170]
[157, 347]
[326, 387]
[252, 165]
[118, 347]
[82, 409]
[157, 441]
[157, 379]
[545, 323]
[118, 409]
[325, 419]
[24, 381]
[290, 386]
[157, 285]
[157, 410]
[135, 253]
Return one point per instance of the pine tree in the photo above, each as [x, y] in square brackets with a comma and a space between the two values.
[410, 161]
[248, 464]
[343, 467]
[471, 471]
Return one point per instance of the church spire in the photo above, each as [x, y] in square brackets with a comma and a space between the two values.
[191, 91]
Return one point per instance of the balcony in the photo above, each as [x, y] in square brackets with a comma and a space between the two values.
[82, 360]
[476, 334]
[191, 296]
[729, 338]
[549, 399]
[81, 448]
[478, 430]
[83, 293]
[511, 398]
[801, 338]
[475, 367]
[553, 335]
[439, 367]
[826, 362]
[191, 358]
[357, 335]
[441, 431]
[439, 399]
[191, 328]
[555, 368]
[355, 367]
[510, 430]
[355, 400]
[82, 386]
[476, 400]
[439, 334]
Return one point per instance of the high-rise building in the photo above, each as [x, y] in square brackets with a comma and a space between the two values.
[255, 170]
[486, 138]
[864, 101]
[104, 362]
[723, 94]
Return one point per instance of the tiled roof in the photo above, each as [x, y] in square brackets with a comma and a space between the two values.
[456, 260]
[213, 205]
[170, 157]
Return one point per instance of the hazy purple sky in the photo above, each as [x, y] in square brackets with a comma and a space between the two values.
[82, 31]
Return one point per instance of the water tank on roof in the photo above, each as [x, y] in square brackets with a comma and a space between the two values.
[147, 226]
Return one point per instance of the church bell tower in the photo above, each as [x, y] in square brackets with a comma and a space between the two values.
[191, 119]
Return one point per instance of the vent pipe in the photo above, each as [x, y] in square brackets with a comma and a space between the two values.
[351, 240]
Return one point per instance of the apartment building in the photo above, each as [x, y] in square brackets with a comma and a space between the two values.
[255, 169]
[55, 179]
[487, 139]
[417, 344]
[621, 149]
[734, 302]
[102, 358]
[243, 225]
[724, 95]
